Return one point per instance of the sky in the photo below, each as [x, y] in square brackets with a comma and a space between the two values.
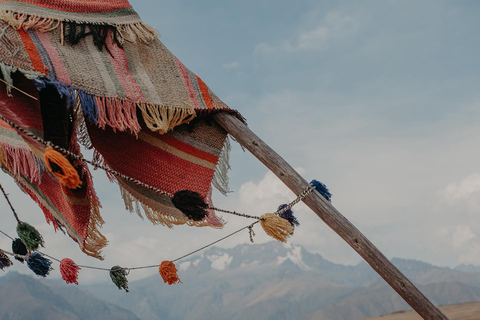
[377, 99]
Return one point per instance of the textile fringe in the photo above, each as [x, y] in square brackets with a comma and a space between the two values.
[220, 177]
[20, 162]
[81, 127]
[118, 114]
[3, 159]
[163, 118]
[95, 242]
[137, 31]
[25, 21]
[131, 32]
[133, 204]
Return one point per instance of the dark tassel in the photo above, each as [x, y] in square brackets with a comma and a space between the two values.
[76, 32]
[322, 189]
[18, 247]
[40, 265]
[5, 262]
[288, 215]
[29, 236]
[119, 277]
[69, 271]
[191, 204]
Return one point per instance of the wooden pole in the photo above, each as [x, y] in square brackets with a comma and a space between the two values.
[334, 219]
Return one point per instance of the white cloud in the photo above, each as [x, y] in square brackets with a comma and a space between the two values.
[334, 26]
[462, 236]
[231, 65]
[464, 189]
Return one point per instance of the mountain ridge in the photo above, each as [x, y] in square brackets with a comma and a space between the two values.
[274, 280]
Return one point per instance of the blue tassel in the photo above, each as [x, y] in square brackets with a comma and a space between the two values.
[288, 215]
[63, 90]
[89, 106]
[322, 189]
[40, 265]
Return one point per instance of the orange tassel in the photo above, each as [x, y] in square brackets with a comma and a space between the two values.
[168, 271]
[61, 168]
[69, 271]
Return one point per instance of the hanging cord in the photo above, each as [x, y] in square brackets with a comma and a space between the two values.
[20, 90]
[79, 158]
[9, 203]
[138, 182]
[134, 268]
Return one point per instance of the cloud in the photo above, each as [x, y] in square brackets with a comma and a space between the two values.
[464, 189]
[231, 65]
[334, 26]
[462, 236]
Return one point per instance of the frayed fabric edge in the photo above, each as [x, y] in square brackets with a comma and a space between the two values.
[132, 31]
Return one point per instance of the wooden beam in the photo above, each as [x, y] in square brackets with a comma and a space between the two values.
[334, 219]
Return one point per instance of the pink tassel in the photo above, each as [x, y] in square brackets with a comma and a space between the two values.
[69, 271]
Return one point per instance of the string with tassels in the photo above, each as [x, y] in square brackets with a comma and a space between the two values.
[188, 202]
[41, 266]
[279, 225]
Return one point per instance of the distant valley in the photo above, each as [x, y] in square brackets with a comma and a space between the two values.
[259, 281]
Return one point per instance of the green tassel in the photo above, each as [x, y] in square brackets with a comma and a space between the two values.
[30, 236]
[119, 277]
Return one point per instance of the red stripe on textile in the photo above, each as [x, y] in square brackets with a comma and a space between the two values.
[76, 216]
[60, 70]
[80, 6]
[142, 161]
[184, 147]
[188, 84]
[119, 62]
[32, 51]
[205, 94]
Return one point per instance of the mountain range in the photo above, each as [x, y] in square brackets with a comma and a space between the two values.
[259, 281]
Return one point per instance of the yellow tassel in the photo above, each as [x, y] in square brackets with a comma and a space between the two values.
[61, 168]
[276, 227]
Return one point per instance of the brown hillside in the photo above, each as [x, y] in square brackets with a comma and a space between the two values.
[464, 311]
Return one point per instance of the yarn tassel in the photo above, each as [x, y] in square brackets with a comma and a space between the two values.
[119, 277]
[191, 204]
[5, 262]
[40, 265]
[18, 247]
[322, 189]
[29, 236]
[288, 215]
[276, 227]
[61, 168]
[69, 271]
[168, 271]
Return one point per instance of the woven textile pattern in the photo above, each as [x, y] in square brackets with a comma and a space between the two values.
[79, 6]
[142, 111]
[75, 210]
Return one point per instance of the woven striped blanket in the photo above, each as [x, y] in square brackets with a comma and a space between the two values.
[119, 91]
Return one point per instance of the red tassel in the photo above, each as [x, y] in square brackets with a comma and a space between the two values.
[69, 271]
[168, 271]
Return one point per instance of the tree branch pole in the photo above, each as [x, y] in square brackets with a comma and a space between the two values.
[334, 219]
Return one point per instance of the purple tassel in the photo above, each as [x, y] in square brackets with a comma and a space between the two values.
[322, 189]
[40, 265]
[288, 215]
[5, 262]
